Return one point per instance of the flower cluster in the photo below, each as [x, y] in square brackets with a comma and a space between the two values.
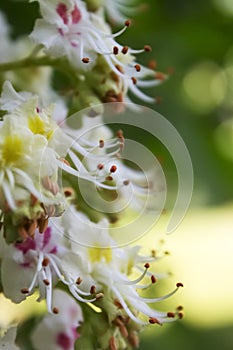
[59, 173]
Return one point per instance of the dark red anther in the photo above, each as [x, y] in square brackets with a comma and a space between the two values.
[154, 320]
[86, 60]
[100, 166]
[45, 262]
[25, 291]
[137, 67]
[93, 290]
[115, 50]
[79, 280]
[113, 169]
[55, 310]
[128, 23]
[147, 48]
[101, 143]
[134, 80]
[159, 76]
[179, 285]
[124, 50]
[153, 279]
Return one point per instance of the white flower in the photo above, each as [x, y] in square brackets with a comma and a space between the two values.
[110, 267]
[7, 342]
[68, 29]
[32, 263]
[100, 152]
[20, 161]
[59, 331]
[37, 262]
[29, 111]
[32, 147]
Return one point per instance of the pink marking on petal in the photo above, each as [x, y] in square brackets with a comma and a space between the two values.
[64, 341]
[46, 236]
[53, 250]
[26, 265]
[27, 245]
[73, 44]
[60, 31]
[62, 11]
[76, 335]
[76, 15]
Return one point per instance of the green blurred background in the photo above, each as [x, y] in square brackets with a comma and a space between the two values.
[195, 38]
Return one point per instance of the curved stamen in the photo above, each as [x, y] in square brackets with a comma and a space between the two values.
[133, 282]
[154, 300]
[126, 308]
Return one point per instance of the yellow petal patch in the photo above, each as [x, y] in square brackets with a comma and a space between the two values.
[97, 254]
[37, 125]
[12, 149]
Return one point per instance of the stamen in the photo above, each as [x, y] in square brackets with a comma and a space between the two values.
[43, 224]
[126, 308]
[120, 134]
[171, 314]
[45, 262]
[55, 310]
[109, 178]
[152, 64]
[115, 50]
[153, 279]
[100, 166]
[46, 282]
[179, 285]
[99, 296]
[86, 60]
[137, 280]
[25, 291]
[112, 343]
[137, 67]
[180, 315]
[118, 322]
[118, 304]
[120, 68]
[134, 339]
[155, 300]
[64, 161]
[101, 143]
[124, 50]
[160, 76]
[93, 290]
[113, 169]
[79, 281]
[128, 23]
[126, 182]
[134, 80]
[147, 48]
[154, 320]
[32, 228]
[68, 192]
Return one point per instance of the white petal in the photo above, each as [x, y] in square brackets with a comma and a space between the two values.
[14, 278]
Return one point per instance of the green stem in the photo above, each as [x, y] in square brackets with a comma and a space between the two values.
[32, 61]
[27, 62]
